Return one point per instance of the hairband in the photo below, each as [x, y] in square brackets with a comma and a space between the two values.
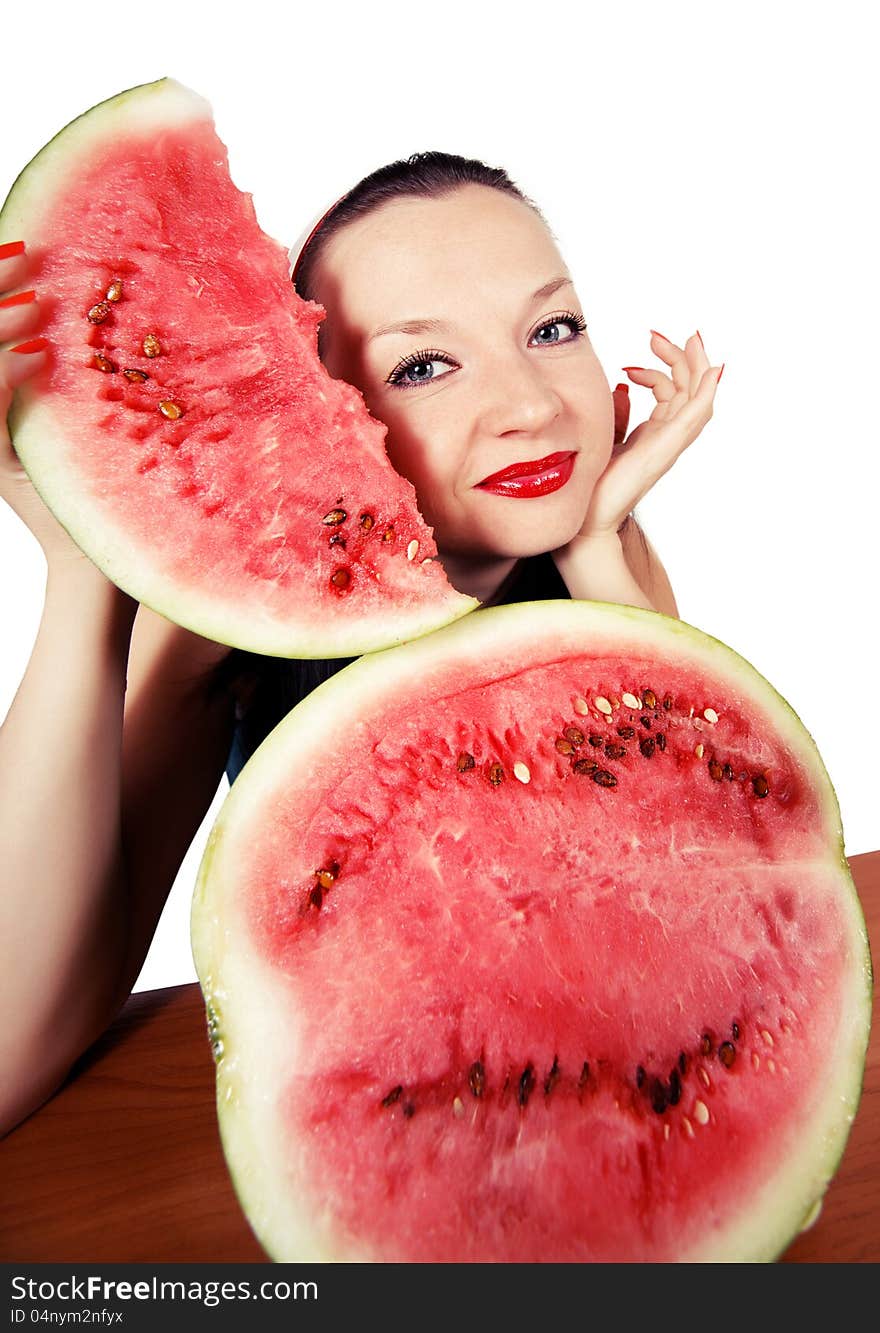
[299, 247]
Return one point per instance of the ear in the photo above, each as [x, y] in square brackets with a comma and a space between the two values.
[621, 415]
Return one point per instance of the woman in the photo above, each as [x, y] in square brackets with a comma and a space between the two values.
[450, 308]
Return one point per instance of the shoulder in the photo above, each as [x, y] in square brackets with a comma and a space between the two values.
[646, 567]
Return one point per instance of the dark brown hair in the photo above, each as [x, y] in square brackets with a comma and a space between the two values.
[421, 176]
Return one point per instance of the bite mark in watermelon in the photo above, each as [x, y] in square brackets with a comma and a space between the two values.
[185, 432]
[534, 940]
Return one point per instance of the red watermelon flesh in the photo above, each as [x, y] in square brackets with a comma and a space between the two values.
[185, 432]
[534, 943]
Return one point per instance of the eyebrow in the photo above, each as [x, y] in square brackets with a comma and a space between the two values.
[416, 326]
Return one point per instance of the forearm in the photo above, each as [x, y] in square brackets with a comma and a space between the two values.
[595, 569]
[63, 915]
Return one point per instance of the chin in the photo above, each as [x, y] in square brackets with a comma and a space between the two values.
[540, 532]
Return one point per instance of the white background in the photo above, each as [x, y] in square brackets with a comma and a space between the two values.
[707, 166]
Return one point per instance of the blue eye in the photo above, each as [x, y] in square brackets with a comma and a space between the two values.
[562, 328]
[420, 368]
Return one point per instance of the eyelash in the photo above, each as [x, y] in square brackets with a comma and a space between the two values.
[576, 322]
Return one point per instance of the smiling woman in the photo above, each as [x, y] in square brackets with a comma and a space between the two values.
[450, 307]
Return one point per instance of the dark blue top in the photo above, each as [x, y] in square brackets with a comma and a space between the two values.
[277, 684]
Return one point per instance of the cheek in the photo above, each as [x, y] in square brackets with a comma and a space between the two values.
[415, 446]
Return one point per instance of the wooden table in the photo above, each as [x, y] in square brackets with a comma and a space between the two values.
[124, 1164]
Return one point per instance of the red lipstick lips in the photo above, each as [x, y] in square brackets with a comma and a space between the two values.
[527, 480]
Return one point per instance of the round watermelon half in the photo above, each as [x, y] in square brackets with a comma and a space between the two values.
[185, 432]
[534, 940]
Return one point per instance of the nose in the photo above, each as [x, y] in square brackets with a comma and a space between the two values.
[519, 396]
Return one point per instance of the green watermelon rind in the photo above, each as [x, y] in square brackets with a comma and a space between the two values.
[228, 968]
[34, 426]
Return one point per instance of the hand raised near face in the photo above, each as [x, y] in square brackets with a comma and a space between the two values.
[684, 402]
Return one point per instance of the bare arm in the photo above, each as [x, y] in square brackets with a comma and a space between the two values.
[63, 922]
[101, 788]
[617, 568]
[101, 792]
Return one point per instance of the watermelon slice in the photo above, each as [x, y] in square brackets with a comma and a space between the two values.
[534, 940]
[186, 434]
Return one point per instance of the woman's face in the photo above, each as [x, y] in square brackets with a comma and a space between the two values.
[458, 321]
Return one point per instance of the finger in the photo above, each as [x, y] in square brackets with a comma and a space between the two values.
[14, 266]
[696, 359]
[21, 363]
[19, 316]
[673, 412]
[674, 357]
[661, 384]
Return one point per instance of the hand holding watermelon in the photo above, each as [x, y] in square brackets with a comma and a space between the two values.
[25, 355]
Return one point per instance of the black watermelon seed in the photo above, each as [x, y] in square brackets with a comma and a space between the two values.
[734, 1028]
[564, 746]
[661, 741]
[334, 518]
[496, 774]
[614, 751]
[584, 766]
[715, 770]
[640, 1075]
[464, 762]
[338, 540]
[552, 1078]
[596, 740]
[659, 1098]
[682, 1062]
[366, 521]
[645, 721]
[674, 1087]
[409, 1110]
[728, 772]
[626, 732]
[667, 702]
[706, 1045]
[650, 698]
[604, 778]
[316, 897]
[526, 1085]
[393, 1096]
[727, 1054]
[760, 785]
[477, 1078]
[575, 735]
[646, 745]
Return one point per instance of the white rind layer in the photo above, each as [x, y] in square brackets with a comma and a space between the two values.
[150, 107]
[259, 1046]
[37, 427]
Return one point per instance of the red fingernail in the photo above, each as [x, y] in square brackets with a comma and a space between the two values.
[721, 372]
[20, 298]
[630, 369]
[660, 335]
[625, 387]
[11, 248]
[700, 336]
[34, 345]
